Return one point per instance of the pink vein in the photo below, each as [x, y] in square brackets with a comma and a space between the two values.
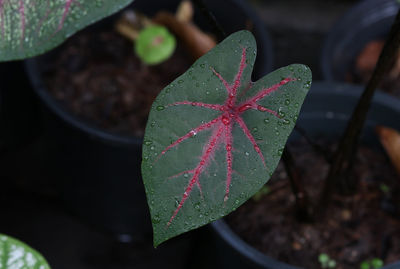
[238, 77]
[226, 84]
[67, 7]
[2, 17]
[246, 131]
[182, 173]
[197, 171]
[23, 19]
[268, 91]
[193, 132]
[232, 89]
[199, 104]
[258, 107]
[42, 20]
[229, 158]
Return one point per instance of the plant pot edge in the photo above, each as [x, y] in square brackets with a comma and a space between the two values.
[105, 136]
[255, 257]
[342, 25]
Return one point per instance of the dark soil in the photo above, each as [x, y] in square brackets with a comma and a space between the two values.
[356, 228]
[364, 67]
[98, 77]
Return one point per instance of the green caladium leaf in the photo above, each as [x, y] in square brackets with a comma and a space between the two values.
[214, 138]
[15, 254]
[32, 27]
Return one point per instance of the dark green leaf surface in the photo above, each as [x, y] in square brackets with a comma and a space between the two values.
[16, 255]
[214, 138]
[32, 27]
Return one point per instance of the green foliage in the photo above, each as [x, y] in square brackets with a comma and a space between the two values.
[375, 263]
[384, 188]
[32, 27]
[16, 255]
[326, 262]
[261, 193]
[214, 138]
[155, 44]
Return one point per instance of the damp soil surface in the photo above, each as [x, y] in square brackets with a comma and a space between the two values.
[356, 228]
[364, 66]
[97, 76]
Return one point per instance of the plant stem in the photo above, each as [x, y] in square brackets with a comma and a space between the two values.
[303, 208]
[211, 19]
[347, 148]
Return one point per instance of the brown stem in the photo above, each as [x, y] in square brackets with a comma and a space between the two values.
[303, 207]
[346, 151]
[211, 19]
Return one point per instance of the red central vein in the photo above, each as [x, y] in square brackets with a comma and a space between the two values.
[229, 116]
[197, 171]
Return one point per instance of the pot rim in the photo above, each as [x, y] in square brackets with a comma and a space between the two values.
[31, 68]
[222, 229]
[367, 9]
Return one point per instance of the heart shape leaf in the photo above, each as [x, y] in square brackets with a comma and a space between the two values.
[214, 137]
[32, 27]
[15, 254]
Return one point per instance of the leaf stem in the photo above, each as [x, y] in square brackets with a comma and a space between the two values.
[303, 207]
[344, 156]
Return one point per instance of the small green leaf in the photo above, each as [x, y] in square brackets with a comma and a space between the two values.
[384, 188]
[16, 255]
[331, 264]
[376, 263]
[323, 258]
[261, 193]
[216, 137]
[365, 265]
[155, 44]
[32, 27]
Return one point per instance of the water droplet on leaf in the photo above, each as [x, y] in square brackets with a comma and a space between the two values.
[156, 219]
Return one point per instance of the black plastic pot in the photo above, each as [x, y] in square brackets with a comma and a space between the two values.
[99, 171]
[325, 112]
[366, 21]
[19, 117]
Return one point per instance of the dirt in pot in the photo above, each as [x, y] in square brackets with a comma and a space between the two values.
[356, 228]
[98, 77]
[364, 67]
